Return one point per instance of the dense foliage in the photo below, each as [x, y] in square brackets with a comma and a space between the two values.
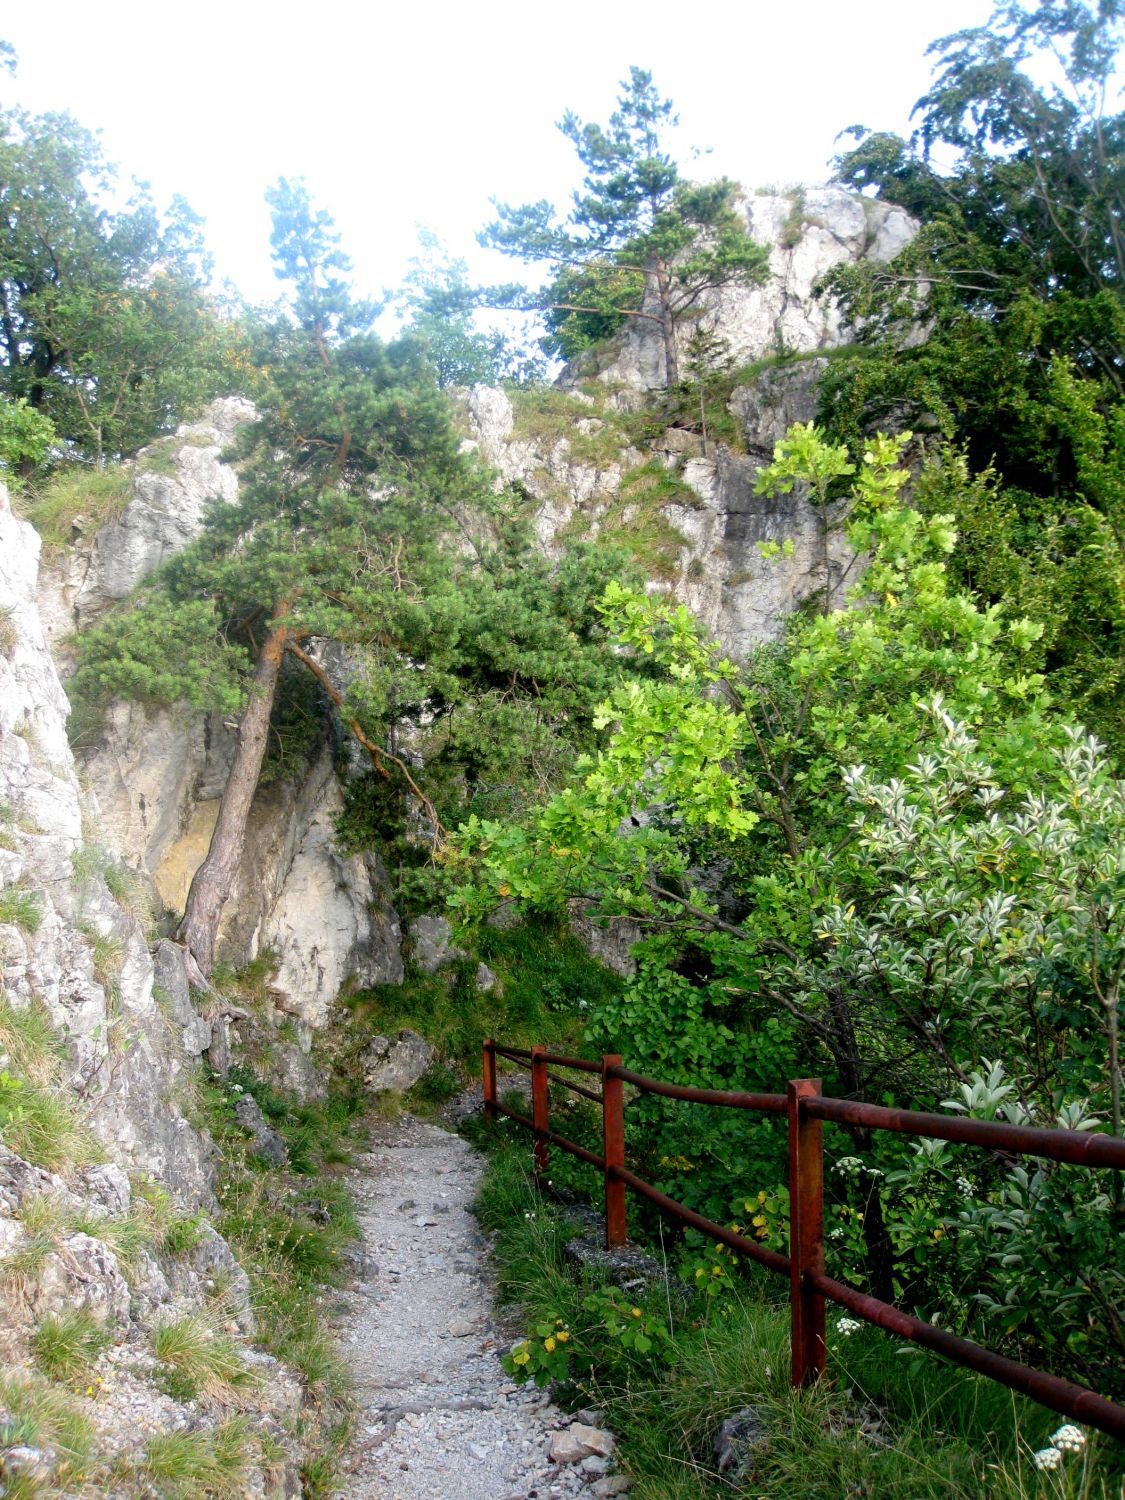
[366, 549]
[106, 328]
[1016, 281]
[875, 853]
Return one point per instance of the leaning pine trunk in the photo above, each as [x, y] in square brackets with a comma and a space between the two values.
[211, 884]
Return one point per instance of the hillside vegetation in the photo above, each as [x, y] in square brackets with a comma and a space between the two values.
[886, 849]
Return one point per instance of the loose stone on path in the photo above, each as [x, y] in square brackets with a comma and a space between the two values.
[439, 1419]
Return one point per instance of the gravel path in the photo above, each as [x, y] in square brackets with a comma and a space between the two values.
[439, 1418]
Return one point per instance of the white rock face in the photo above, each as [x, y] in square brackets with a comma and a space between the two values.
[720, 572]
[164, 513]
[156, 775]
[809, 231]
[332, 919]
[81, 954]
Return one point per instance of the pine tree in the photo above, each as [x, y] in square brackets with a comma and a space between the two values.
[347, 482]
[639, 243]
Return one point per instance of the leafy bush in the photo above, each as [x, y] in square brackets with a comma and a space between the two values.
[875, 855]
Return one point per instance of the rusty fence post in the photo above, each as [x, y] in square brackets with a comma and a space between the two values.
[488, 1080]
[613, 1149]
[806, 1233]
[539, 1111]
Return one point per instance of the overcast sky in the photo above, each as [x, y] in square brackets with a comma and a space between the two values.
[420, 113]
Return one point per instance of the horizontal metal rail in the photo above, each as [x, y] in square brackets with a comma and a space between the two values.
[576, 1088]
[806, 1108]
[1083, 1148]
[1049, 1390]
[514, 1115]
[764, 1103]
[574, 1148]
[761, 1253]
[582, 1064]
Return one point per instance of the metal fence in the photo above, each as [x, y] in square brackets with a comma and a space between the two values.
[806, 1108]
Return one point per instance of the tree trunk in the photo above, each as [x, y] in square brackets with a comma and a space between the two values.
[211, 884]
[667, 326]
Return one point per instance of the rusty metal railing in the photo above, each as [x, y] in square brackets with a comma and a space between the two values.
[805, 1107]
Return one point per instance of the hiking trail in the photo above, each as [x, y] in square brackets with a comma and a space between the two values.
[439, 1419]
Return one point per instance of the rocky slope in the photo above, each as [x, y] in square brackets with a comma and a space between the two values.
[99, 1044]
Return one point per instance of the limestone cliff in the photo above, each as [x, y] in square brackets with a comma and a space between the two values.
[70, 943]
[99, 1044]
[156, 775]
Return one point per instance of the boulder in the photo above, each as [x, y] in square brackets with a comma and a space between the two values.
[431, 943]
[81, 1273]
[265, 1141]
[739, 1440]
[394, 1067]
[579, 1442]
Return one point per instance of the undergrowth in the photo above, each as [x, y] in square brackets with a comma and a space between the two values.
[546, 981]
[290, 1228]
[889, 1421]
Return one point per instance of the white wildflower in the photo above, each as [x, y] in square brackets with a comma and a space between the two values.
[1069, 1439]
[849, 1165]
[848, 1326]
[1047, 1458]
[964, 1187]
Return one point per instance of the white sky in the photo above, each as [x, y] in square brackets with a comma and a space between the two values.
[420, 113]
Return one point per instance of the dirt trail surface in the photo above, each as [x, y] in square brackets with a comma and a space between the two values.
[439, 1418]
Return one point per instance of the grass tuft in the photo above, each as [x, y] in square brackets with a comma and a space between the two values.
[97, 495]
[39, 1118]
[66, 1344]
[38, 1414]
[181, 1465]
[21, 907]
[198, 1362]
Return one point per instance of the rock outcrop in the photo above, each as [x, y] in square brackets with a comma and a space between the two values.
[173, 482]
[809, 230]
[156, 775]
[65, 940]
[708, 538]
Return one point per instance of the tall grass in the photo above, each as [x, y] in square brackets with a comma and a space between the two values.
[38, 1116]
[98, 495]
